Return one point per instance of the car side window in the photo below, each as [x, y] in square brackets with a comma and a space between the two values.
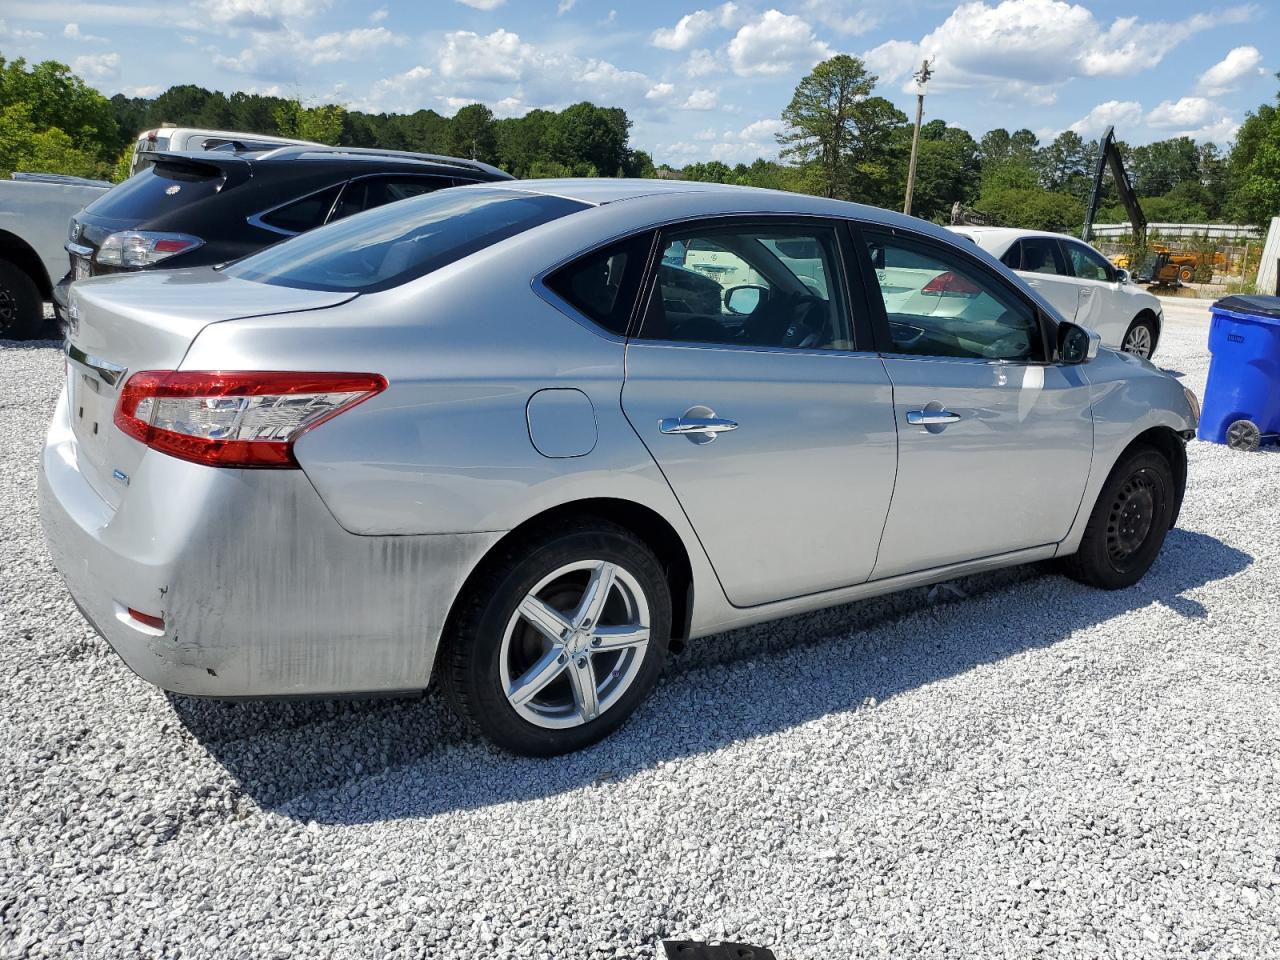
[749, 286]
[603, 284]
[1088, 264]
[940, 303]
[303, 214]
[1039, 255]
[369, 192]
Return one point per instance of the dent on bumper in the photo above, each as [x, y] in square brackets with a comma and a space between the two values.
[263, 594]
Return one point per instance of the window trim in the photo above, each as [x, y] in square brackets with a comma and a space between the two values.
[1048, 327]
[859, 331]
[540, 288]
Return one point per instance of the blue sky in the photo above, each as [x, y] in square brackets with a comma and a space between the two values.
[700, 80]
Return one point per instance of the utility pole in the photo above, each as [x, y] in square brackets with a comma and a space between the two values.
[922, 80]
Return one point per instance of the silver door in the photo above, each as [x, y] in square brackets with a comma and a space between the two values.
[994, 444]
[782, 456]
[1002, 467]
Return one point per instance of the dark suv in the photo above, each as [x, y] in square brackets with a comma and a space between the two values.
[197, 209]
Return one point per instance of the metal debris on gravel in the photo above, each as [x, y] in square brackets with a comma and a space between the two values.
[1038, 769]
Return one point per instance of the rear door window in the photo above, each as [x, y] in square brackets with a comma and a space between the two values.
[158, 190]
[1036, 255]
[303, 214]
[401, 241]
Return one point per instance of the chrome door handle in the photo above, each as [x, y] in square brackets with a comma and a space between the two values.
[929, 418]
[705, 425]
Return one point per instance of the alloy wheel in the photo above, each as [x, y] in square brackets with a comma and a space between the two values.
[1138, 341]
[574, 644]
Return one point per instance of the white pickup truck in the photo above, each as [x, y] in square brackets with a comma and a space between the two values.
[35, 211]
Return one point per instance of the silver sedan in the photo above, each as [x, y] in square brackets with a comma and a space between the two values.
[529, 436]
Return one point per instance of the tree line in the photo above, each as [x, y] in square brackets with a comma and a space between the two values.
[839, 139]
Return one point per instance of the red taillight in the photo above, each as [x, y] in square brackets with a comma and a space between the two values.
[173, 246]
[951, 283]
[235, 418]
[146, 618]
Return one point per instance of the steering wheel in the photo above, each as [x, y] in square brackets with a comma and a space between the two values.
[799, 332]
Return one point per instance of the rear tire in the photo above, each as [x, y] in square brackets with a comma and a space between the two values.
[1140, 338]
[21, 309]
[1128, 524]
[538, 684]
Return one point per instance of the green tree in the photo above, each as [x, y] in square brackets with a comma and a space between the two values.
[320, 124]
[55, 98]
[1066, 165]
[1157, 168]
[1254, 167]
[838, 133]
[585, 136]
[26, 147]
[472, 133]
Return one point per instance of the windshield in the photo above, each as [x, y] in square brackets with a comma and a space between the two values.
[390, 245]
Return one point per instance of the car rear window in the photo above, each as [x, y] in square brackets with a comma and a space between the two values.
[158, 190]
[390, 245]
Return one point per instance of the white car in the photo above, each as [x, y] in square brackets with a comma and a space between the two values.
[1081, 283]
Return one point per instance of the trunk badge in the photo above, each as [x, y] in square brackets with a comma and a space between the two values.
[121, 476]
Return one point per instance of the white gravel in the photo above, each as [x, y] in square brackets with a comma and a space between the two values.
[1036, 770]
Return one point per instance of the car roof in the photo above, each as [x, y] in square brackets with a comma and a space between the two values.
[696, 198]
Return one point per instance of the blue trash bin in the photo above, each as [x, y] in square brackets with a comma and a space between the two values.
[1242, 397]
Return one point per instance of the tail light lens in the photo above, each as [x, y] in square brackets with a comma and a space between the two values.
[235, 419]
[143, 248]
[951, 284]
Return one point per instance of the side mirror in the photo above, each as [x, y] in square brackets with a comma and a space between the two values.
[744, 298]
[1076, 344]
[1122, 275]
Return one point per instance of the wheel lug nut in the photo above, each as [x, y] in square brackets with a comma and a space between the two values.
[561, 659]
[582, 663]
[595, 641]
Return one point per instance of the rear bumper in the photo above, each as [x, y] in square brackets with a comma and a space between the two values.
[262, 592]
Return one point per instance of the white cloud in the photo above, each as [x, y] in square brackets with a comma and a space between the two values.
[1112, 113]
[282, 53]
[701, 100]
[262, 14]
[147, 90]
[833, 15]
[761, 130]
[1039, 44]
[501, 67]
[97, 67]
[484, 4]
[775, 42]
[15, 33]
[693, 25]
[1240, 63]
[701, 63]
[564, 6]
[72, 32]
[378, 15]
[1186, 112]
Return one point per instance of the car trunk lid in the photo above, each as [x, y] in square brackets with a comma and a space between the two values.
[120, 325]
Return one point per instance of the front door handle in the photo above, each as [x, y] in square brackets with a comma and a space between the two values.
[707, 426]
[930, 418]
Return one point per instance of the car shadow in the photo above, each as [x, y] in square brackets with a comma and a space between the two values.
[364, 761]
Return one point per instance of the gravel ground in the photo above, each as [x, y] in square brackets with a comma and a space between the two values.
[1035, 769]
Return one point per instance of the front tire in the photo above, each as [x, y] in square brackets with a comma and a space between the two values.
[558, 639]
[21, 310]
[1140, 338]
[1128, 524]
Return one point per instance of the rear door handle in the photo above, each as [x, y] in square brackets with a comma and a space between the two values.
[929, 418]
[709, 426]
